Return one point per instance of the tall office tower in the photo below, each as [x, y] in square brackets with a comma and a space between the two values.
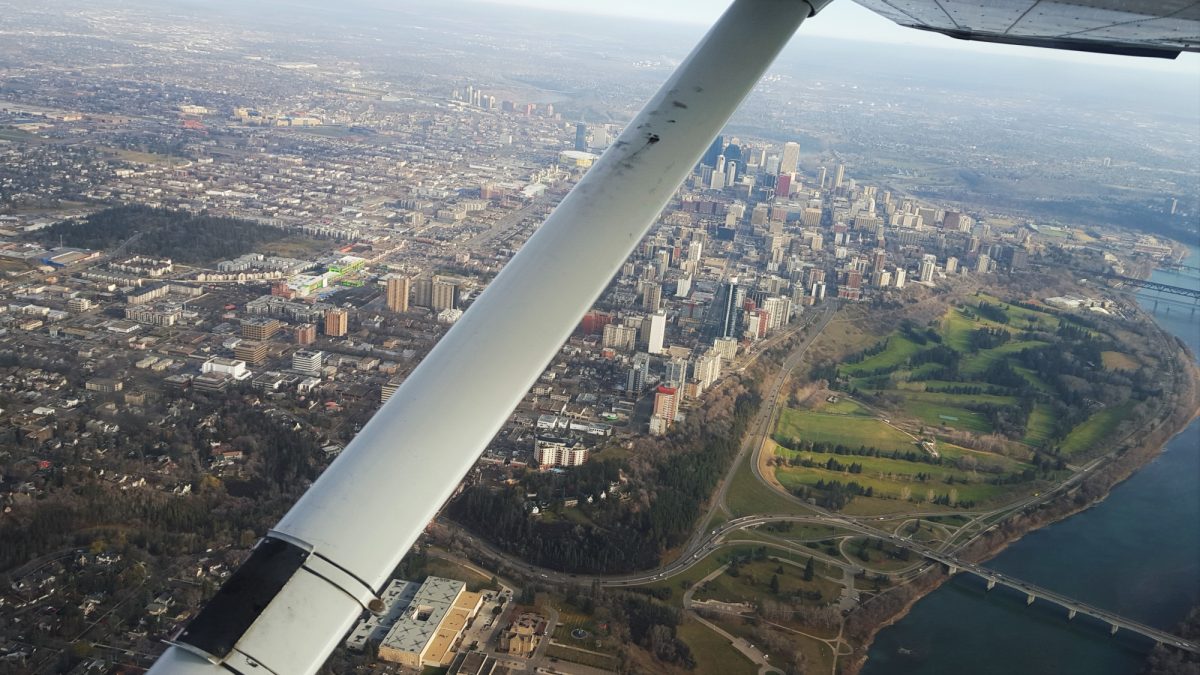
[731, 308]
[839, 176]
[928, 263]
[778, 309]
[771, 166]
[652, 297]
[676, 372]
[423, 293]
[635, 380]
[783, 185]
[791, 158]
[695, 250]
[445, 295]
[727, 347]
[337, 322]
[581, 137]
[662, 262]
[683, 287]
[708, 368]
[666, 403]
[717, 181]
[397, 294]
[600, 137]
[714, 150]
[654, 329]
[984, 264]
[878, 257]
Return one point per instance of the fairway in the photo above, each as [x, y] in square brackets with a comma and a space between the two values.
[919, 491]
[899, 349]
[1040, 426]
[849, 431]
[1119, 361]
[942, 415]
[1095, 432]
[978, 362]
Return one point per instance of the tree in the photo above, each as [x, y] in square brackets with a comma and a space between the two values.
[775, 584]
[809, 569]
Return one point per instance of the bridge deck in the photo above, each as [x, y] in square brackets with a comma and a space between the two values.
[1111, 618]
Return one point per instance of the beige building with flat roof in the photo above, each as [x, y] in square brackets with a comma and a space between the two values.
[428, 631]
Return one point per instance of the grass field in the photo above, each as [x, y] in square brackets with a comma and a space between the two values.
[849, 431]
[1040, 425]
[1119, 361]
[747, 496]
[753, 583]
[884, 558]
[978, 362]
[890, 469]
[295, 247]
[714, 654]
[802, 533]
[944, 415]
[150, 158]
[1095, 431]
[695, 573]
[843, 406]
[898, 350]
[15, 135]
[892, 488]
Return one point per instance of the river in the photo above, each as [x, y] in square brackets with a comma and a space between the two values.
[1136, 553]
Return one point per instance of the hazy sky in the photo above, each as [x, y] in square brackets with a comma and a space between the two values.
[845, 19]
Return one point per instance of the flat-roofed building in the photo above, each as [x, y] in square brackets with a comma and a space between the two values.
[260, 328]
[552, 451]
[428, 631]
[308, 362]
[373, 629]
[251, 352]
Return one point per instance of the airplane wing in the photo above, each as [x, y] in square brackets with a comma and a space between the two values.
[1156, 28]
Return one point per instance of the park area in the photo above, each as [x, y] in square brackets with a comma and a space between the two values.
[966, 411]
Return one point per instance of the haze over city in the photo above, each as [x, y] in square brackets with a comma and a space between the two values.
[901, 379]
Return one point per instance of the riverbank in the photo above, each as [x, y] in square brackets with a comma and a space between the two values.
[1138, 450]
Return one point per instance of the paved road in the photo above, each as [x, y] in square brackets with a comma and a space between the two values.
[760, 425]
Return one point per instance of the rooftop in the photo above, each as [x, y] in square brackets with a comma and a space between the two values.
[419, 622]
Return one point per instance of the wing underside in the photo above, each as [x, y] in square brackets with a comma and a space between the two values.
[1156, 28]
